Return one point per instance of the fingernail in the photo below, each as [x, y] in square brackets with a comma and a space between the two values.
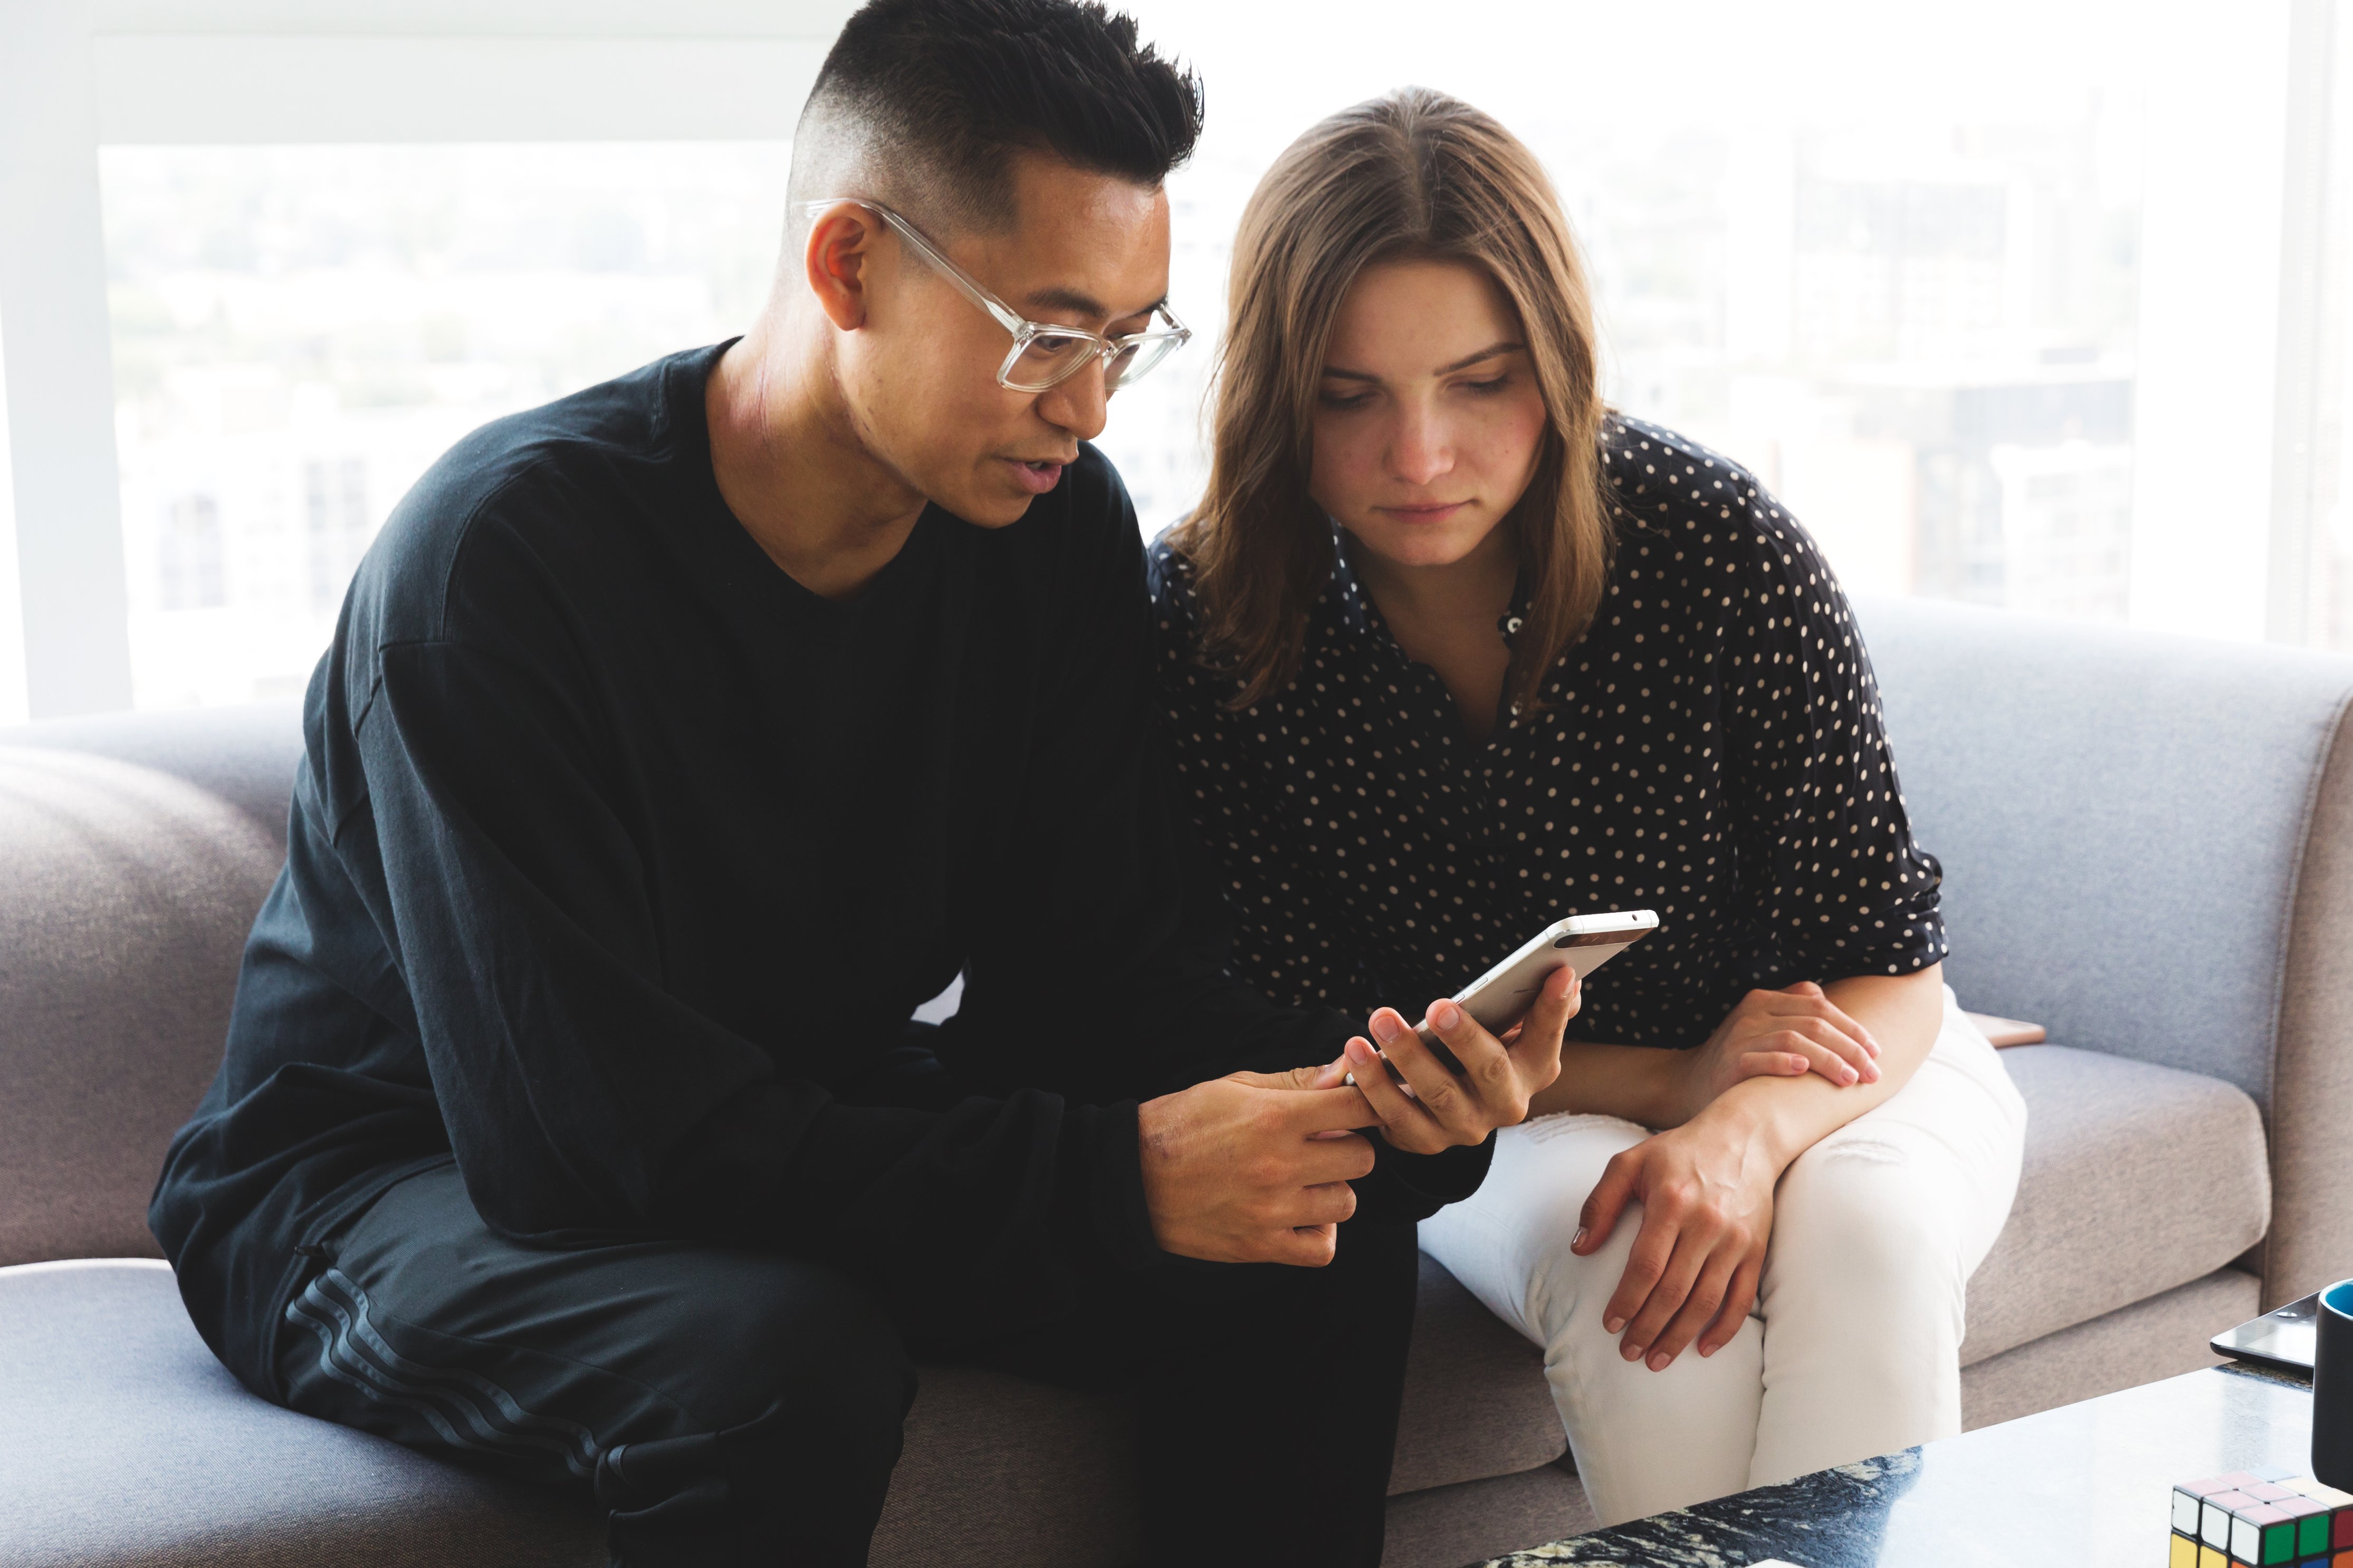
[1386, 1026]
[1871, 1044]
[1360, 1051]
[1847, 1075]
[1446, 1016]
[1659, 1362]
[1707, 1350]
[1631, 1352]
[1611, 1325]
[1576, 1241]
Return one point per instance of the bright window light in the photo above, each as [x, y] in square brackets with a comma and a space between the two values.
[1900, 261]
[299, 330]
[1884, 256]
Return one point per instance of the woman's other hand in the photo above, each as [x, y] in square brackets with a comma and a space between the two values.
[1447, 1110]
[1786, 1032]
[1706, 1192]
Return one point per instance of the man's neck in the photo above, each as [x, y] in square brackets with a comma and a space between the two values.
[792, 467]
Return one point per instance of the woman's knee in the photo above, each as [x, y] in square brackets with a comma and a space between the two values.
[1867, 1219]
[1569, 1292]
[1509, 1242]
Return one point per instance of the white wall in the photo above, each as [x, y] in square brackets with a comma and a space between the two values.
[12, 620]
[60, 377]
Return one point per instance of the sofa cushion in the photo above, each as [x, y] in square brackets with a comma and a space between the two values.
[124, 1442]
[128, 894]
[2137, 1179]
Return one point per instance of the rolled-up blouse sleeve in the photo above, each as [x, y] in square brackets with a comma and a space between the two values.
[1841, 888]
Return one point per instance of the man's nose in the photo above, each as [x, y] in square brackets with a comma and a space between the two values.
[1080, 403]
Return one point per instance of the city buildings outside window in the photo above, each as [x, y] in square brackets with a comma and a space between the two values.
[1889, 260]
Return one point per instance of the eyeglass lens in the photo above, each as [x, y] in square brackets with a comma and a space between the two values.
[1051, 357]
[1047, 358]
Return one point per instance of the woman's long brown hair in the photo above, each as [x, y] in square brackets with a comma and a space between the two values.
[1414, 174]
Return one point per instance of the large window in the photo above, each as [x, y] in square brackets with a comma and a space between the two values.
[300, 331]
[2037, 304]
[1887, 261]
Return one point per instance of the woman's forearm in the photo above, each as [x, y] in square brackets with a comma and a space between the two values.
[1652, 1087]
[1790, 1115]
[1637, 1083]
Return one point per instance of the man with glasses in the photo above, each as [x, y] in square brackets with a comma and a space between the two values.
[677, 741]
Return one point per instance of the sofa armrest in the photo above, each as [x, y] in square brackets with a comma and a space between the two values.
[2311, 1240]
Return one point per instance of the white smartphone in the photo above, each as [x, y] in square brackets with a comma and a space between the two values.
[1501, 997]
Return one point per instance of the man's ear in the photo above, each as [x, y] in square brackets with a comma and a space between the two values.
[835, 259]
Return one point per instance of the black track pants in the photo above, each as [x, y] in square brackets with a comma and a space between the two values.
[736, 1407]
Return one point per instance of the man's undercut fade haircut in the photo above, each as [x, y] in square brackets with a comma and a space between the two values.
[922, 104]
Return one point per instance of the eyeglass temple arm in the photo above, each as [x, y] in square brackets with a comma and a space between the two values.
[1005, 316]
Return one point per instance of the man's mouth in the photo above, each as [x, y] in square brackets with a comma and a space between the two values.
[1037, 477]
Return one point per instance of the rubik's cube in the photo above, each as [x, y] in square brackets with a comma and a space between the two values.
[2262, 1519]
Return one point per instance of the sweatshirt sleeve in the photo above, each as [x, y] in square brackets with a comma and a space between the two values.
[1114, 954]
[1106, 963]
[585, 1101]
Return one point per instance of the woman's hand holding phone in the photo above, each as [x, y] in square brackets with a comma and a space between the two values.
[1499, 1076]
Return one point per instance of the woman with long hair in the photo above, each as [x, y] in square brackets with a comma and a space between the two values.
[1452, 650]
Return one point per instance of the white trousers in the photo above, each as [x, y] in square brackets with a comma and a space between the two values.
[1853, 1347]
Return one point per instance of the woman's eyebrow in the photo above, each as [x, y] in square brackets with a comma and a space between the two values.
[1491, 350]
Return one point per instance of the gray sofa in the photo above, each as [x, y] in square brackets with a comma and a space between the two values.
[2148, 848]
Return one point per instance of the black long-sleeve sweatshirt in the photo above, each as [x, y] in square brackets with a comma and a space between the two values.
[618, 861]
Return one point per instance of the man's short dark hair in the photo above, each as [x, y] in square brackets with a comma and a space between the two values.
[922, 104]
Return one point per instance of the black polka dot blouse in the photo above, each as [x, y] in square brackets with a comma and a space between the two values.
[1713, 748]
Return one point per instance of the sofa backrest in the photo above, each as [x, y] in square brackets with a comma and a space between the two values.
[2148, 843]
[2122, 818]
[134, 851]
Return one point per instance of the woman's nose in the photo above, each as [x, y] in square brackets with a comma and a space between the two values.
[1421, 449]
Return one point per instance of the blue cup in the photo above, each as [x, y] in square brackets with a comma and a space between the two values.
[2332, 1388]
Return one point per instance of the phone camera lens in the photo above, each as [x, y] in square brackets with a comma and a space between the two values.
[1563, 942]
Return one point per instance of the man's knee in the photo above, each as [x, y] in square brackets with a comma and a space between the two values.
[799, 1344]
[785, 1391]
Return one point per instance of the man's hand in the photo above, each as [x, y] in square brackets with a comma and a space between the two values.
[1776, 1034]
[1445, 1110]
[1253, 1167]
[1706, 1192]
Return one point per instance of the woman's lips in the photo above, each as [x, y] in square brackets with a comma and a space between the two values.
[1433, 511]
[1036, 477]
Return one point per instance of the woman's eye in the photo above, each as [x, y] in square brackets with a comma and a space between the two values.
[1485, 387]
[1345, 400]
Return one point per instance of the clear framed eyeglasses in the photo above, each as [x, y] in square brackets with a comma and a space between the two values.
[1044, 353]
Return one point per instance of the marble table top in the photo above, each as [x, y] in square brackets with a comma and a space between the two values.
[2086, 1486]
